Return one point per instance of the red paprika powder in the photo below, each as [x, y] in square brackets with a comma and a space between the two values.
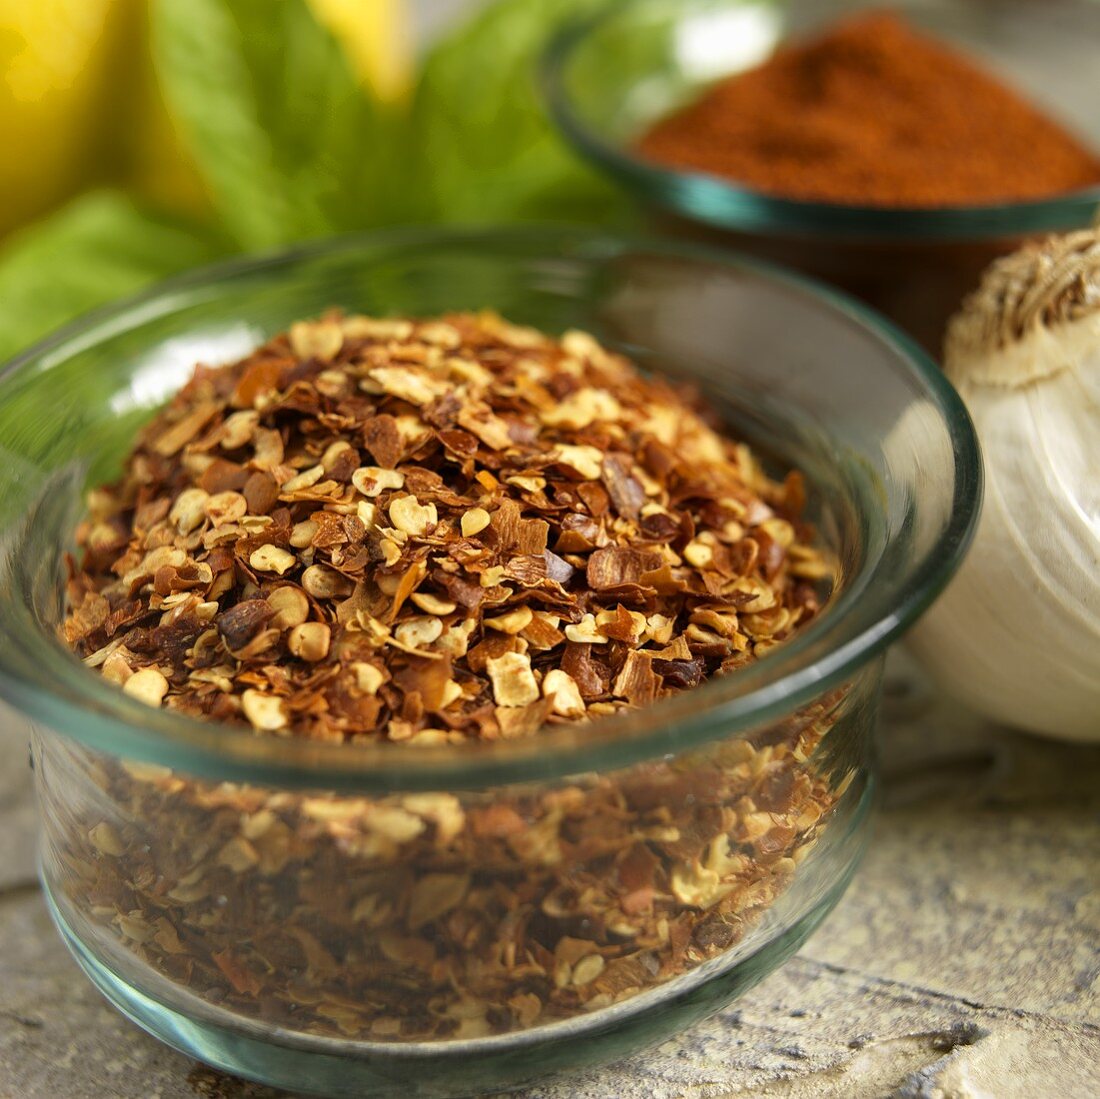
[872, 112]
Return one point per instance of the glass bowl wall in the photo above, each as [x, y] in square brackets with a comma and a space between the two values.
[608, 78]
[442, 921]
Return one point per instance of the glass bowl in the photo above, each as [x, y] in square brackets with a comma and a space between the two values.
[436, 921]
[607, 78]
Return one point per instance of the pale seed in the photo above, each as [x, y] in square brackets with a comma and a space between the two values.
[301, 534]
[431, 604]
[306, 479]
[585, 631]
[513, 681]
[106, 840]
[474, 522]
[439, 334]
[409, 384]
[310, 641]
[368, 678]
[290, 605]
[226, 507]
[189, 510]
[316, 340]
[325, 583]
[117, 668]
[419, 632]
[452, 692]
[513, 622]
[409, 515]
[698, 554]
[391, 551]
[332, 453]
[373, 328]
[586, 460]
[238, 429]
[373, 480]
[366, 512]
[271, 558]
[587, 969]
[264, 711]
[147, 685]
[564, 694]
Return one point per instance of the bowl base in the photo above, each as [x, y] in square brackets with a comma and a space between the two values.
[453, 1070]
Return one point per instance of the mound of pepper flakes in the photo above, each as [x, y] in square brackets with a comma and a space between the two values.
[430, 531]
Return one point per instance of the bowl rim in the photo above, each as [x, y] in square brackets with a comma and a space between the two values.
[723, 203]
[97, 714]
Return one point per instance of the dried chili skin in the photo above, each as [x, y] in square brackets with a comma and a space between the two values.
[397, 530]
[873, 112]
[431, 532]
[430, 916]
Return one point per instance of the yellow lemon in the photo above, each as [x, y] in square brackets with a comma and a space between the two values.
[57, 63]
[377, 38]
[79, 101]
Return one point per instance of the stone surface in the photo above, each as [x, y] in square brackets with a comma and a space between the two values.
[17, 818]
[962, 964]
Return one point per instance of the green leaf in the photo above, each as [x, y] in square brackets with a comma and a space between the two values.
[487, 149]
[288, 143]
[99, 247]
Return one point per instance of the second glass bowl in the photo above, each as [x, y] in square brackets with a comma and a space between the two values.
[437, 921]
[607, 78]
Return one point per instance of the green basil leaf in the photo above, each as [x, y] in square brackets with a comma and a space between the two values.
[287, 141]
[487, 149]
[99, 247]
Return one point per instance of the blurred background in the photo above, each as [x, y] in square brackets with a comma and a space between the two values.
[145, 137]
[81, 106]
[148, 136]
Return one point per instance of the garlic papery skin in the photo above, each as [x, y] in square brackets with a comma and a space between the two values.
[1016, 635]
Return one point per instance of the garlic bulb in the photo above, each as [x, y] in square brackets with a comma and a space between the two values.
[1017, 633]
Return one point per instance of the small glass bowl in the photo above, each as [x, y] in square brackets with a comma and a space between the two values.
[607, 78]
[437, 921]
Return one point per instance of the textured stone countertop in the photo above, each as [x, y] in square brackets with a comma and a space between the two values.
[964, 963]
